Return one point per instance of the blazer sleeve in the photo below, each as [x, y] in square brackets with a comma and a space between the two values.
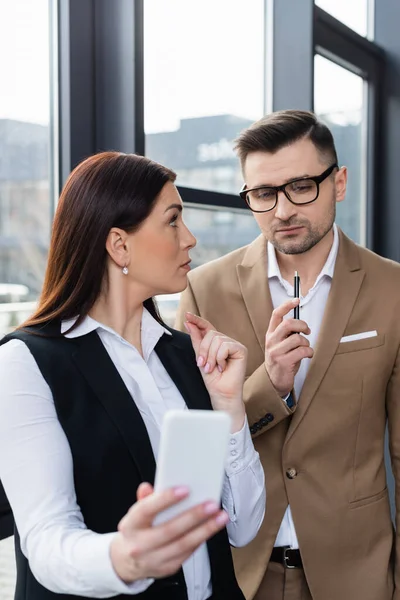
[264, 407]
[187, 304]
[393, 413]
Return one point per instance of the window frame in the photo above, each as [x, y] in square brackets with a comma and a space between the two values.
[340, 44]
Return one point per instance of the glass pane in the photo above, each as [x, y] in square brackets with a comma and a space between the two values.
[204, 83]
[25, 203]
[218, 232]
[343, 113]
[354, 14]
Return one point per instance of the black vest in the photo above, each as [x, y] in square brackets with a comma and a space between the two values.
[110, 446]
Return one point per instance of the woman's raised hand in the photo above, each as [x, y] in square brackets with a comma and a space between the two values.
[222, 362]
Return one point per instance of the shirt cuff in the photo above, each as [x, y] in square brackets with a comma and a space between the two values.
[241, 451]
[101, 563]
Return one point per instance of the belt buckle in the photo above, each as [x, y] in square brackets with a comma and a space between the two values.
[286, 559]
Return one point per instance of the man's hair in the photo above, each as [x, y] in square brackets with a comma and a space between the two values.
[282, 128]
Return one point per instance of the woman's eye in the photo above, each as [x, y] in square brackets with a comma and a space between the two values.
[173, 221]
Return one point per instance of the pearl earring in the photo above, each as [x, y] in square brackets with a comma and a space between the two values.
[125, 270]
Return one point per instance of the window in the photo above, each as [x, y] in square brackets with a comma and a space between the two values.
[204, 83]
[344, 115]
[25, 199]
[355, 14]
[25, 204]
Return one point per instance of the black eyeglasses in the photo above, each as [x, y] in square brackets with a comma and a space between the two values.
[298, 191]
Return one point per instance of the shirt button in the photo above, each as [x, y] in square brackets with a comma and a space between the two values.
[233, 452]
[291, 473]
[234, 465]
[233, 442]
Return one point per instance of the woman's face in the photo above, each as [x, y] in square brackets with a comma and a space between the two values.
[159, 249]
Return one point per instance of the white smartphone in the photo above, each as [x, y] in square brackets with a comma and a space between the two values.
[194, 445]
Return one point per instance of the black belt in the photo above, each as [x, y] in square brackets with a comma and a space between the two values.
[286, 556]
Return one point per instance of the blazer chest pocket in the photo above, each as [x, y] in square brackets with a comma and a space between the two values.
[365, 344]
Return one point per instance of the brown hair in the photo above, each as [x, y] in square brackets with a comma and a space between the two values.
[282, 128]
[106, 190]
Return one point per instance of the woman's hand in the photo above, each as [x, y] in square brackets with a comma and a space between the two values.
[141, 550]
[222, 362]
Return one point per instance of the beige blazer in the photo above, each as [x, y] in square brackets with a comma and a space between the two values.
[326, 456]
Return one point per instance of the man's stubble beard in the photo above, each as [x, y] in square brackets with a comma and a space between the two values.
[313, 237]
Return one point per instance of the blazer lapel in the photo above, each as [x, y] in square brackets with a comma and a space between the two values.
[176, 354]
[253, 281]
[346, 283]
[99, 371]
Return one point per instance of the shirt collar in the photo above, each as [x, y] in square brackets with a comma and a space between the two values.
[328, 268]
[150, 327]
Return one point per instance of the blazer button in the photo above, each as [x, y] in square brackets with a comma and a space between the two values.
[267, 419]
[291, 473]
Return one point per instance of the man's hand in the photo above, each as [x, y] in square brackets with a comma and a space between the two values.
[285, 347]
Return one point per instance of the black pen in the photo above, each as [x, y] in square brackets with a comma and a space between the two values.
[296, 309]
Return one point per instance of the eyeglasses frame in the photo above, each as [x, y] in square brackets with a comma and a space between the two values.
[318, 179]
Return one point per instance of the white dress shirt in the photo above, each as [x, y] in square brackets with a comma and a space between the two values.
[36, 469]
[312, 309]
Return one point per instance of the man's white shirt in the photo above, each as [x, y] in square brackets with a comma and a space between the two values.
[312, 308]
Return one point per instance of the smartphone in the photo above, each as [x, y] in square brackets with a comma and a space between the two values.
[193, 449]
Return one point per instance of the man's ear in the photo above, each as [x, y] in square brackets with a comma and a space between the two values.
[341, 184]
[117, 247]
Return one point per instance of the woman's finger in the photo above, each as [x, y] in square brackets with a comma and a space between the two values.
[160, 535]
[213, 349]
[229, 350]
[195, 336]
[189, 542]
[143, 513]
[202, 324]
[183, 546]
[144, 490]
[202, 358]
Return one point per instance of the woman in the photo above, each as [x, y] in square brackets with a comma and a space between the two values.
[85, 385]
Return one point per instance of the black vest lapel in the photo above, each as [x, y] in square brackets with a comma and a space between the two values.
[176, 354]
[95, 364]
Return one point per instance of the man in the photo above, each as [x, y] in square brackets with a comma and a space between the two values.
[318, 389]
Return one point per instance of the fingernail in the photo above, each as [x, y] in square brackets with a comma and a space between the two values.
[207, 368]
[181, 491]
[187, 327]
[210, 508]
[220, 369]
[222, 519]
[200, 361]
